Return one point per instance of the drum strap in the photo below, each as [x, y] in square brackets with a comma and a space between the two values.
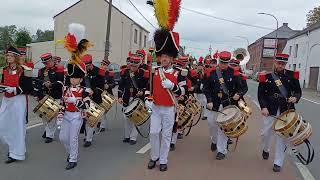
[302, 159]
[138, 130]
[221, 81]
[134, 83]
[235, 146]
[279, 84]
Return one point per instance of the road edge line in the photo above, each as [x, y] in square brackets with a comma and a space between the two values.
[35, 125]
[144, 149]
[304, 171]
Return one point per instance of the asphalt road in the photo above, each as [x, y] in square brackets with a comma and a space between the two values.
[310, 112]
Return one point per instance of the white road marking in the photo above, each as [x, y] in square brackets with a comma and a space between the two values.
[304, 171]
[310, 100]
[35, 125]
[144, 149]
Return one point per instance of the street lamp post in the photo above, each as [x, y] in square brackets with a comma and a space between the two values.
[276, 40]
[107, 45]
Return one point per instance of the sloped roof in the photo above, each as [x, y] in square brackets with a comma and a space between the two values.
[313, 27]
[108, 4]
[284, 32]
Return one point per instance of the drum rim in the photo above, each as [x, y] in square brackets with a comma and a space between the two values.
[135, 107]
[227, 107]
[290, 124]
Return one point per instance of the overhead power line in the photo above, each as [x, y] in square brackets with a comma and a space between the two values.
[142, 14]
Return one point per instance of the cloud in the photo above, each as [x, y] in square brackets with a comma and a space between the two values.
[197, 31]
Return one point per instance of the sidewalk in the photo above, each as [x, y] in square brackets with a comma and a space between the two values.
[311, 94]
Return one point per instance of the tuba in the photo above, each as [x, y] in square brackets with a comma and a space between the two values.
[242, 54]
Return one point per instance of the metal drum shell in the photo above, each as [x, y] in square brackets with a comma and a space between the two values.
[47, 109]
[138, 114]
[94, 114]
[107, 101]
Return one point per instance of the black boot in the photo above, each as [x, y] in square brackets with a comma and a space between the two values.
[276, 168]
[213, 147]
[132, 142]
[265, 155]
[172, 147]
[152, 164]
[204, 118]
[68, 158]
[220, 156]
[71, 165]
[163, 167]
[126, 140]
[102, 129]
[10, 160]
[44, 135]
[230, 141]
[180, 136]
[48, 140]
[87, 144]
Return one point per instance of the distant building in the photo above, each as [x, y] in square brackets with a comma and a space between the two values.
[125, 34]
[262, 50]
[304, 51]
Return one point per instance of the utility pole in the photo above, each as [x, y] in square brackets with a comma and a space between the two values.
[107, 45]
[210, 50]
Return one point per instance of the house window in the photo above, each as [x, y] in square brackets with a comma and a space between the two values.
[296, 51]
[145, 41]
[135, 36]
[299, 65]
[289, 66]
[140, 39]
[294, 67]
[290, 50]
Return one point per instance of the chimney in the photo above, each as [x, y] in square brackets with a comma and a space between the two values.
[285, 24]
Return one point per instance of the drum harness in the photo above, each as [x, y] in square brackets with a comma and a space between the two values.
[284, 93]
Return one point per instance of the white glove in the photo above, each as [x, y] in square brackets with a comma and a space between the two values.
[10, 89]
[148, 104]
[72, 100]
[167, 84]
[106, 86]
[59, 120]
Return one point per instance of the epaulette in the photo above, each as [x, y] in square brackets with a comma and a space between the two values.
[262, 76]
[102, 72]
[59, 68]
[27, 71]
[296, 75]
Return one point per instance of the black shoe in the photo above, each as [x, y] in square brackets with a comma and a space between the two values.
[71, 165]
[126, 140]
[230, 141]
[204, 118]
[213, 147]
[10, 160]
[220, 156]
[172, 147]
[276, 168]
[48, 140]
[132, 142]
[87, 144]
[152, 164]
[265, 155]
[180, 136]
[44, 135]
[68, 158]
[102, 129]
[163, 167]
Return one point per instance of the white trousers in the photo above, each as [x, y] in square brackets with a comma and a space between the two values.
[203, 100]
[13, 113]
[51, 128]
[213, 126]
[89, 132]
[130, 130]
[104, 122]
[174, 138]
[69, 134]
[162, 118]
[267, 132]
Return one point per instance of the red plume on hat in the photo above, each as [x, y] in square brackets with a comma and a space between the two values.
[216, 55]
[201, 59]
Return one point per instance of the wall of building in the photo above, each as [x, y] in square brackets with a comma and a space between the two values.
[35, 50]
[307, 55]
[93, 14]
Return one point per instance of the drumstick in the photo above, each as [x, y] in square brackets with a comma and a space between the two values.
[278, 118]
[217, 111]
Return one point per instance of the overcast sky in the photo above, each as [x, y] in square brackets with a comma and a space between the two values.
[197, 31]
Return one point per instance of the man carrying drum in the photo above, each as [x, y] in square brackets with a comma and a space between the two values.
[222, 88]
[133, 84]
[50, 82]
[278, 91]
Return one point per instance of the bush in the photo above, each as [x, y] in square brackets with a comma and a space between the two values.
[2, 60]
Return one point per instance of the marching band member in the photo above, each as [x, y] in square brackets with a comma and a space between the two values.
[109, 84]
[278, 91]
[57, 60]
[235, 63]
[96, 80]
[74, 102]
[222, 86]
[132, 85]
[13, 111]
[50, 82]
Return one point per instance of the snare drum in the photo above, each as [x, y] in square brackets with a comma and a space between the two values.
[137, 112]
[232, 122]
[94, 114]
[185, 117]
[292, 127]
[47, 109]
[107, 101]
[194, 107]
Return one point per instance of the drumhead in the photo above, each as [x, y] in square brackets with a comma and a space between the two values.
[230, 113]
[131, 106]
[287, 118]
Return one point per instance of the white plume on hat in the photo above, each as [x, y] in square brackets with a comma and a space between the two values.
[78, 30]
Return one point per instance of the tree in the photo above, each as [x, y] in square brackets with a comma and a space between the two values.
[7, 36]
[42, 36]
[23, 38]
[313, 16]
